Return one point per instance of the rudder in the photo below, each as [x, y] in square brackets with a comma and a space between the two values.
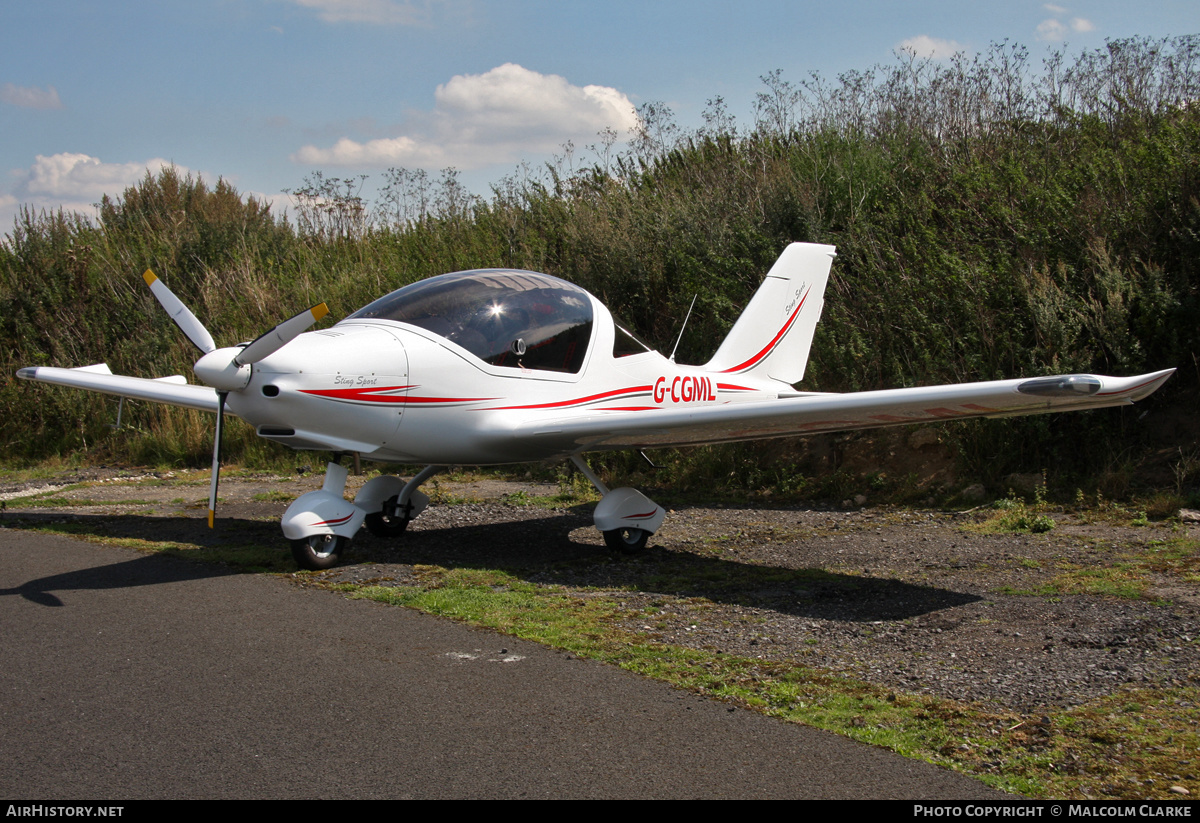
[774, 334]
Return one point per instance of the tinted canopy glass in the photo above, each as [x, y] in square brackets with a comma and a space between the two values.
[505, 317]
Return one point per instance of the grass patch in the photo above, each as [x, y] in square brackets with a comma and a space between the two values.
[1179, 556]
[52, 501]
[1123, 580]
[566, 496]
[274, 496]
[1133, 743]
[1128, 576]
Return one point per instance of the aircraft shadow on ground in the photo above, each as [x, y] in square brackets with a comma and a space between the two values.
[544, 548]
[147, 570]
[547, 550]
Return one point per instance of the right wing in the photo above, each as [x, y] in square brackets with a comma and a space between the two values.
[174, 390]
[818, 413]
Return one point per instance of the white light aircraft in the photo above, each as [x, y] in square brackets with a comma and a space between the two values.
[498, 366]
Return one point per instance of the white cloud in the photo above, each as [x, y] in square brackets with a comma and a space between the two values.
[395, 151]
[478, 119]
[30, 97]
[1051, 29]
[80, 175]
[378, 12]
[934, 48]
[1055, 29]
[72, 182]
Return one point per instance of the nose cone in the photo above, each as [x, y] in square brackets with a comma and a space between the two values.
[218, 370]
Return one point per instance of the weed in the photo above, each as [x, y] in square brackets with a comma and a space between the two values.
[1016, 516]
[1186, 469]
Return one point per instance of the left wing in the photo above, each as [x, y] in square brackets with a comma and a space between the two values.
[815, 413]
[174, 390]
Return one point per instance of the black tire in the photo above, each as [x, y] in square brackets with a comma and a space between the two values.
[387, 522]
[626, 541]
[319, 551]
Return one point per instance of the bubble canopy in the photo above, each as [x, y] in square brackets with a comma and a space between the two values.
[505, 317]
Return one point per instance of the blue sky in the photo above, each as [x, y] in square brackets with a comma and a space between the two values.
[265, 92]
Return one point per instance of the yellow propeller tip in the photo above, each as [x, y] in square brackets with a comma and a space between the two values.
[149, 277]
[319, 311]
[211, 514]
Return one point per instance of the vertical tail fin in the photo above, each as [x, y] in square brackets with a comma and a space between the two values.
[773, 336]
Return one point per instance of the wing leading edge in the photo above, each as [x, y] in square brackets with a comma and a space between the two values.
[817, 413]
[172, 390]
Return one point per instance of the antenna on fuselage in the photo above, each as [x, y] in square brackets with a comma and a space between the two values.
[684, 326]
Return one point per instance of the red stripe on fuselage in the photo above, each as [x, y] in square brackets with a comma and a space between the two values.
[633, 390]
[374, 394]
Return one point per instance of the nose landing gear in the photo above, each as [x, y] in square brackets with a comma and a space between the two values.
[321, 524]
[319, 551]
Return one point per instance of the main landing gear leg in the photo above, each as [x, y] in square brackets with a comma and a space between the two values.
[391, 504]
[625, 516]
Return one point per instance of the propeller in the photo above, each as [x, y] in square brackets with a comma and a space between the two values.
[272, 341]
[228, 369]
[181, 314]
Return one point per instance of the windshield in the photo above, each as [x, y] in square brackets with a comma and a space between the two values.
[505, 317]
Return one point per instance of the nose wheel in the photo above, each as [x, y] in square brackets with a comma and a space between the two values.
[318, 552]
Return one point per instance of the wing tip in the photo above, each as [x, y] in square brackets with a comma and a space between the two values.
[1153, 383]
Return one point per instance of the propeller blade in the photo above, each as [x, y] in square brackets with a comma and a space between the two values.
[272, 341]
[216, 464]
[183, 317]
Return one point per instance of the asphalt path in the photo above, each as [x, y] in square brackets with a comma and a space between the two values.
[128, 676]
